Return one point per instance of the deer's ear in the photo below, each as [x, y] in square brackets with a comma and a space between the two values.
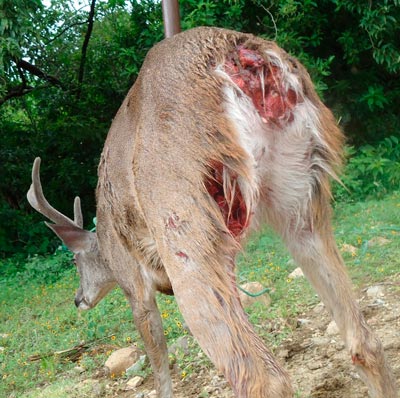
[76, 239]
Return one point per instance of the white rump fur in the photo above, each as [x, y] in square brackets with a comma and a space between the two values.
[279, 158]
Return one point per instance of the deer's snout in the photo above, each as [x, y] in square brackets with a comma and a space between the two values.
[81, 303]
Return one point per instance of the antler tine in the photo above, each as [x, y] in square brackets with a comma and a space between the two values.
[37, 200]
[78, 217]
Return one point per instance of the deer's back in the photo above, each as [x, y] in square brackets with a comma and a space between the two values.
[210, 112]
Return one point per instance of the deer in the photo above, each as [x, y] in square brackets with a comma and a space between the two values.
[221, 132]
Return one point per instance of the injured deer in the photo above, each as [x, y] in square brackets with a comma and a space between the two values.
[221, 132]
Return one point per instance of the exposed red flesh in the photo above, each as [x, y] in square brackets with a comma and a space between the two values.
[235, 215]
[262, 82]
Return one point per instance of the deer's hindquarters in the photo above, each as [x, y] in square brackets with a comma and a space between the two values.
[293, 146]
[288, 142]
[222, 131]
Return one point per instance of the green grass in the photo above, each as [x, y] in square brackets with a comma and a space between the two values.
[37, 314]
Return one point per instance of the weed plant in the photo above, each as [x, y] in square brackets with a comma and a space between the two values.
[38, 316]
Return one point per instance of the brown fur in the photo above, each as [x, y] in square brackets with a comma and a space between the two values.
[160, 229]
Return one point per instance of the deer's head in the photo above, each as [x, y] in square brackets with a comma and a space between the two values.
[96, 280]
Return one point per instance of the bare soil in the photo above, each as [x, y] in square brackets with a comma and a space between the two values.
[314, 355]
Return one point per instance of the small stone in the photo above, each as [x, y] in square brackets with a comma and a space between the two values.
[120, 360]
[140, 395]
[379, 302]
[283, 353]
[215, 381]
[320, 341]
[137, 367]
[375, 291]
[254, 288]
[134, 383]
[332, 329]
[297, 273]
[152, 394]
[319, 308]
[354, 375]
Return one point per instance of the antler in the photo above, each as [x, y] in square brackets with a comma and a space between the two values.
[78, 218]
[37, 200]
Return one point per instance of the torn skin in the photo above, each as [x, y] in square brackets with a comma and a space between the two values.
[234, 210]
[262, 82]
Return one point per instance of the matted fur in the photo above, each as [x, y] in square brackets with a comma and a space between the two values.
[160, 229]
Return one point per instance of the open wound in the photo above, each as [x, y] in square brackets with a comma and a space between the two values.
[262, 81]
[231, 203]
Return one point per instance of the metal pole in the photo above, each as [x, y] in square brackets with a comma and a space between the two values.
[171, 17]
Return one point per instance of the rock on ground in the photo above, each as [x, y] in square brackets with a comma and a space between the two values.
[297, 273]
[254, 288]
[120, 360]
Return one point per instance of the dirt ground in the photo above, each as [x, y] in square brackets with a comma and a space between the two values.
[314, 355]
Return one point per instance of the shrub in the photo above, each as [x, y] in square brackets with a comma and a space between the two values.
[43, 269]
[371, 171]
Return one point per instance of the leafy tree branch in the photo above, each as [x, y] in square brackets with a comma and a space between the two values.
[24, 88]
[85, 45]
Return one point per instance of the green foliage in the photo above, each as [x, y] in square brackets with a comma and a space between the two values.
[40, 318]
[371, 171]
[16, 30]
[366, 87]
[379, 23]
[351, 50]
[67, 131]
[47, 269]
[173, 322]
[37, 268]
[375, 98]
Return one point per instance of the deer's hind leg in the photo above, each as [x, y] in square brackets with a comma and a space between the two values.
[308, 235]
[200, 266]
[322, 264]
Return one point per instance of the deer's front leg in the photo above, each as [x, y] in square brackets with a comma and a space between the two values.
[138, 287]
[314, 249]
[149, 324]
